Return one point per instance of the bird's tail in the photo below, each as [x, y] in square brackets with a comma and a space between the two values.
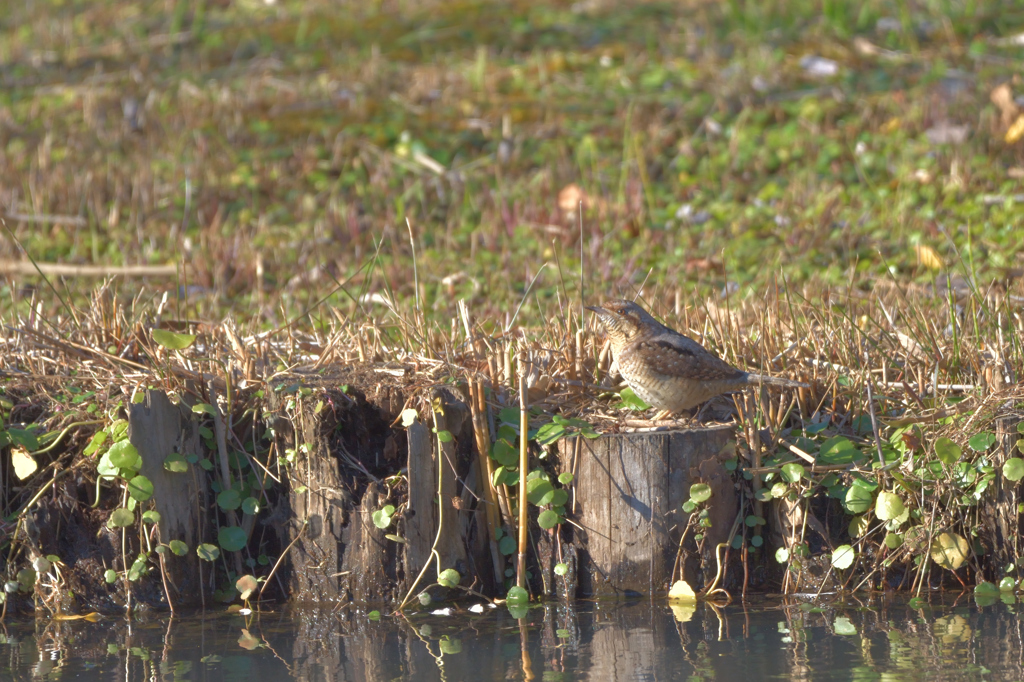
[774, 381]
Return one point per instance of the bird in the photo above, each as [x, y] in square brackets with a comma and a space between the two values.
[666, 369]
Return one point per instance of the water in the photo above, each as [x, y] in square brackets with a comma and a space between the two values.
[873, 638]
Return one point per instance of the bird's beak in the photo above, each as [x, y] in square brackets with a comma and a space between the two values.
[597, 309]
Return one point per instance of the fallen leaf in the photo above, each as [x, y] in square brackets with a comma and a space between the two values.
[1016, 131]
[570, 198]
[24, 465]
[1002, 97]
[928, 257]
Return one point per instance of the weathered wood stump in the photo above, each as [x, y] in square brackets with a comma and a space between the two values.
[629, 489]
[1000, 526]
[157, 427]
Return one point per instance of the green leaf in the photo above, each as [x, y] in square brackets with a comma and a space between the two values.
[556, 498]
[888, 506]
[537, 489]
[98, 439]
[208, 552]
[561, 569]
[173, 340]
[26, 438]
[140, 488]
[549, 433]
[151, 516]
[251, 506]
[858, 499]
[121, 518]
[178, 547]
[231, 538]
[229, 500]
[123, 455]
[548, 519]
[204, 408]
[632, 401]
[381, 519]
[757, 541]
[449, 577]
[843, 626]
[449, 646]
[1013, 469]
[859, 525]
[373, 615]
[445, 436]
[110, 575]
[507, 546]
[504, 454]
[843, 557]
[949, 550]
[982, 441]
[517, 596]
[893, 540]
[782, 555]
[700, 492]
[565, 478]
[778, 491]
[986, 588]
[792, 472]
[838, 450]
[176, 463]
[947, 451]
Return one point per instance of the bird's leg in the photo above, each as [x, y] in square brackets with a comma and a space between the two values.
[662, 414]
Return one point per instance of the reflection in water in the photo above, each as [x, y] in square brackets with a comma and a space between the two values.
[952, 638]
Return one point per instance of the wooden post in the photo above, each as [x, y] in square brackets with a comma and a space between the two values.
[629, 489]
[1000, 525]
[156, 428]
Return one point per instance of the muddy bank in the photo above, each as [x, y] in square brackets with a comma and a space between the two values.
[366, 487]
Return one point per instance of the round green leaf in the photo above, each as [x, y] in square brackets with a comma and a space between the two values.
[207, 552]
[843, 557]
[561, 569]
[548, 519]
[858, 499]
[985, 588]
[121, 518]
[450, 646]
[517, 596]
[947, 451]
[231, 538]
[178, 547]
[449, 577]
[782, 555]
[949, 550]
[565, 478]
[424, 598]
[757, 541]
[140, 488]
[1013, 469]
[893, 540]
[380, 519]
[251, 506]
[700, 492]
[859, 525]
[982, 441]
[1007, 584]
[778, 491]
[229, 500]
[792, 472]
[507, 545]
[123, 455]
[176, 463]
[173, 340]
[151, 516]
[888, 506]
[110, 575]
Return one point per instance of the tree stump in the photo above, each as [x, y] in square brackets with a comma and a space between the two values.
[628, 490]
[1000, 525]
[157, 427]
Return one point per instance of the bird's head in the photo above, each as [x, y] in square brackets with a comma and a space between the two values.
[624, 321]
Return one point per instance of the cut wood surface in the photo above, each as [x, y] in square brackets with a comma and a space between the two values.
[628, 493]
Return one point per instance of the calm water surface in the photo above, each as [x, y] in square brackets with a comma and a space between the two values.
[951, 638]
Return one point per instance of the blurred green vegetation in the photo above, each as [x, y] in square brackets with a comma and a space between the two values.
[275, 148]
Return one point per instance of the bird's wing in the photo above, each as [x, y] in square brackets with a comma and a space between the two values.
[677, 355]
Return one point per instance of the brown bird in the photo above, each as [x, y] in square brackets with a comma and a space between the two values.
[665, 368]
